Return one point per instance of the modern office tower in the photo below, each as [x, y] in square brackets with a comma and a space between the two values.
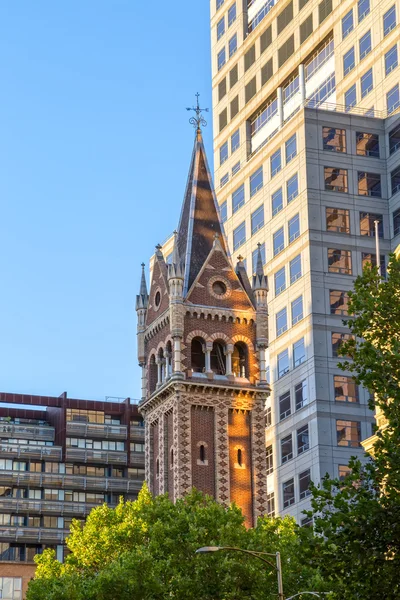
[202, 337]
[307, 155]
[59, 458]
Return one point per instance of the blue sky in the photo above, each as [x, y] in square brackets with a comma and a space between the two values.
[95, 146]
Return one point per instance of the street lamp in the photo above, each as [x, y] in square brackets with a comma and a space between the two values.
[259, 555]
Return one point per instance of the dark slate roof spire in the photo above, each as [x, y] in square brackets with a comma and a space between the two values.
[143, 297]
[199, 221]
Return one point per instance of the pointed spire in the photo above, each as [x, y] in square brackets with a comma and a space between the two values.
[260, 281]
[176, 267]
[143, 298]
[243, 277]
[143, 284]
[199, 220]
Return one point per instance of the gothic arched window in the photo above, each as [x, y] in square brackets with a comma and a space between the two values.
[239, 360]
[198, 358]
[218, 359]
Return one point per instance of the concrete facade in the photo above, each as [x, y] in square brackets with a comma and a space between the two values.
[281, 183]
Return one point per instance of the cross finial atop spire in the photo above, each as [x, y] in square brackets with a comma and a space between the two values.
[198, 120]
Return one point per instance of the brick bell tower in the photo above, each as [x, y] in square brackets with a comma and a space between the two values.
[202, 336]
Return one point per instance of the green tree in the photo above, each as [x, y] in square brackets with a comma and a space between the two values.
[357, 521]
[146, 550]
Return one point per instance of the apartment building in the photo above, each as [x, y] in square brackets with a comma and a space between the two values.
[59, 458]
[307, 157]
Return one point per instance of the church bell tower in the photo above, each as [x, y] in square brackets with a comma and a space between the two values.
[202, 338]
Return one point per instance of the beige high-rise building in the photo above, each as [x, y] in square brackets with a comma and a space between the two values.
[307, 157]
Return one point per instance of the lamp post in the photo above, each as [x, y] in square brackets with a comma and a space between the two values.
[259, 555]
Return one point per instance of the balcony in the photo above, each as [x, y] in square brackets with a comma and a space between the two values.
[96, 430]
[105, 457]
[137, 459]
[46, 507]
[137, 433]
[30, 452]
[26, 431]
[70, 482]
[33, 535]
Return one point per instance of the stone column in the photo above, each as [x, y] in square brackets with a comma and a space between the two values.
[263, 365]
[167, 364]
[209, 372]
[177, 355]
[159, 371]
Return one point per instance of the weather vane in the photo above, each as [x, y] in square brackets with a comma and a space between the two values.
[198, 120]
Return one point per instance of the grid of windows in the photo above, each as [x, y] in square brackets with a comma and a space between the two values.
[286, 448]
[304, 484]
[220, 28]
[283, 363]
[300, 394]
[350, 97]
[235, 140]
[239, 236]
[278, 241]
[281, 322]
[223, 211]
[297, 310]
[232, 14]
[294, 228]
[367, 83]
[365, 44]
[221, 58]
[280, 281]
[334, 139]
[363, 9]
[224, 180]
[303, 439]
[292, 188]
[290, 148]
[232, 45]
[336, 180]
[295, 269]
[389, 20]
[347, 24]
[396, 222]
[284, 406]
[348, 433]
[367, 224]
[391, 60]
[369, 184]
[223, 153]
[257, 219]
[338, 219]
[338, 339]
[393, 99]
[277, 202]
[288, 493]
[256, 181]
[238, 198]
[339, 302]
[395, 180]
[367, 144]
[299, 352]
[276, 162]
[270, 460]
[349, 61]
[346, 389]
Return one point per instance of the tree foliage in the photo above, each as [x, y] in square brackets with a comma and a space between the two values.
[146, 549]
[357, 521]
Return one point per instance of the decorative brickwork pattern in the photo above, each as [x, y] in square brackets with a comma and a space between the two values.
[259, 458]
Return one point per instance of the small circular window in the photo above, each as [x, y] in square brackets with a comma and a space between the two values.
[219, 288]
[157, 299]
